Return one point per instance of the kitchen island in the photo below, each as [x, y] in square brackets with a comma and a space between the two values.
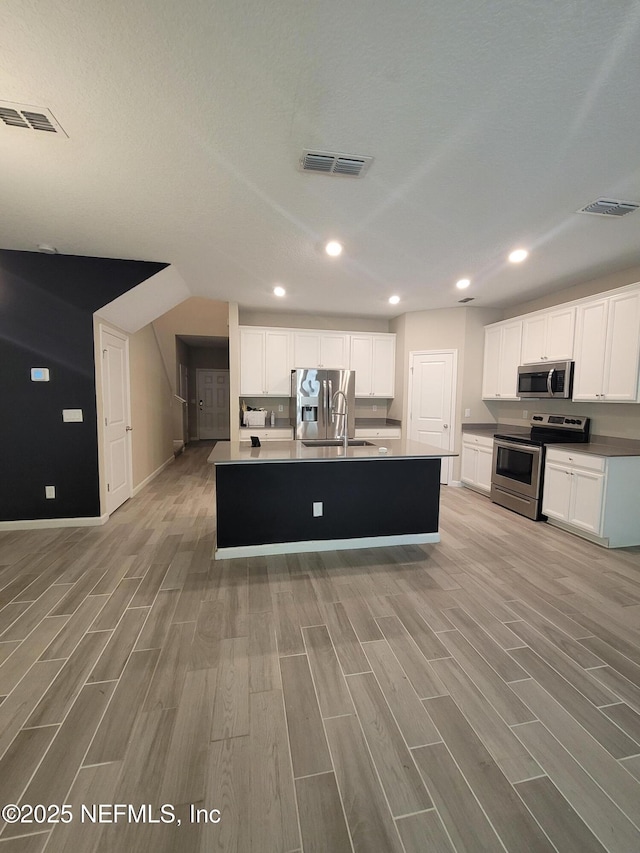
[285, 497]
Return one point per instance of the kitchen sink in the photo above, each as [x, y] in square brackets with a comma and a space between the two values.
[338, 442]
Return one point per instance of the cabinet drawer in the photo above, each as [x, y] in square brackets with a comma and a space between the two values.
[273, 434]
[477, 440]
[383, 432]
[576, 460]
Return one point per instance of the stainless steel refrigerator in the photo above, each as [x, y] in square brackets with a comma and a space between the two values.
[316, 412]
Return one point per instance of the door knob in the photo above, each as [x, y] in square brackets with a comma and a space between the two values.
[446, 426]
[128, 429]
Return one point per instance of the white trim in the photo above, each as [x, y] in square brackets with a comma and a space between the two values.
[44, 523]
[325, 545]
[456, 483]
[152, 476]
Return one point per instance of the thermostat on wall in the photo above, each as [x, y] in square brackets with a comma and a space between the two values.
[39, 374]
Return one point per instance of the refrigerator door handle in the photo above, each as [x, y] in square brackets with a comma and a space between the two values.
[322, 415]
[329, 399]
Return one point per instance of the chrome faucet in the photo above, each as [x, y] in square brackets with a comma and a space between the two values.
[344, 415]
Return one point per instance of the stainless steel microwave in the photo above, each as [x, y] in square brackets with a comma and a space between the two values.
[546, 379]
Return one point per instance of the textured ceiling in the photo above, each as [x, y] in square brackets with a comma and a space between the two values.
[490, 124]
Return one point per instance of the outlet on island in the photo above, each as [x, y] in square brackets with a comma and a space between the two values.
[317, 509]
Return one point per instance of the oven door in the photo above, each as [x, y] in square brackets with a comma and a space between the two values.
[517, 468]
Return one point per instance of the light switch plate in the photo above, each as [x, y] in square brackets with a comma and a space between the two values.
[72, 415]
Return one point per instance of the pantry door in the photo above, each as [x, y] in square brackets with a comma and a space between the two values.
[432, 394]
[116, 407]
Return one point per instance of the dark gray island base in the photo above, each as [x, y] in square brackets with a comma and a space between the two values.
[286, 498]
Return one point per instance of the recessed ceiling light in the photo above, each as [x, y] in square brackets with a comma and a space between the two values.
[394, 300]
[279, 290]
[518, 255]
[463, 283]
[333, 248]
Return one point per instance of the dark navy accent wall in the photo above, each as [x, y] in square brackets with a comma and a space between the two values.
[46, 320]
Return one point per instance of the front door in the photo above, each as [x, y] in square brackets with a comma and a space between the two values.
[213, 403]
[116, 413]
[431, 399]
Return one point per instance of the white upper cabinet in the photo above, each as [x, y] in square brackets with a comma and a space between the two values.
[265, 361]
[373, 359]
[548, 336]
[607, 351]
[502, 352]
[329, 350]
[268, 354]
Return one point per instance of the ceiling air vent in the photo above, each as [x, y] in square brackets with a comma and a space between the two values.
[29, 118]
[466, 299]
[609, 207]
[331, 163]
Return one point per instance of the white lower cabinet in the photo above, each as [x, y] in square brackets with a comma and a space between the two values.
[593, 496]
[477, 461]
[378, 432]
[266, 433]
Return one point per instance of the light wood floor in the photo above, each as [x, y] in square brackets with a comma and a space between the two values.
[482, 694]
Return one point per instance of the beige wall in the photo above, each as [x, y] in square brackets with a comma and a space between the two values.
[248, 317]
[194, 316]
[152, 405]
[578, 291]
[471, 392]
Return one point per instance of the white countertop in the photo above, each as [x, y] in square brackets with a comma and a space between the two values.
[226, 452]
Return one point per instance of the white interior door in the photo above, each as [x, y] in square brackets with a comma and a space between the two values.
[432, 377]
[213, 403]
[116, 406]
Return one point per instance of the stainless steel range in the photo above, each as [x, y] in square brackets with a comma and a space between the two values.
[518, 460]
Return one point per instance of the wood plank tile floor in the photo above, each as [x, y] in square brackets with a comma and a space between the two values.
[481, 694]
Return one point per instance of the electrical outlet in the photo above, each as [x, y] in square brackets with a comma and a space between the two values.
[525, 413]
[317, 509]
[374, 408]
[467, 413]
[281, 408]
[49, 492]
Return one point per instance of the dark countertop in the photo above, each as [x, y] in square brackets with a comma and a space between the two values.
[599, 445]
[602, 445]
[229, 452]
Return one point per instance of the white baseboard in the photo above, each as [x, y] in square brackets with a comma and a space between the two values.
[44, 523]
[456, 483]
[152, 476]
[325, 545]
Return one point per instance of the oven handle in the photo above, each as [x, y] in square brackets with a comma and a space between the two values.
[549, 381]
[512, 445]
